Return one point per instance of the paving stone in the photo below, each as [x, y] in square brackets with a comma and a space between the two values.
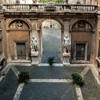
[48, 91]
[91, 90]
[8, 86]
[48, 72]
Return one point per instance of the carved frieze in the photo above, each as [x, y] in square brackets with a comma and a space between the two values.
[82, 26]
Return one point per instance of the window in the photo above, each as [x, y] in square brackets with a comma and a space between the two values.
[80, 51]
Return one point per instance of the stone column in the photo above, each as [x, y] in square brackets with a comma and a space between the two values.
[34, 44]
[8, 46]
[97, 40]
[66, 43]
[15, 51]
[1, 1]
[92, 47]
[98, 2]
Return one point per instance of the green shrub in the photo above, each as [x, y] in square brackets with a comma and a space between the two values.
[23, 77]
[77, 79]
[51, 60]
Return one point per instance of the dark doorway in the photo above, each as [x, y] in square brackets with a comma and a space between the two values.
[21, 50]
[80, 51]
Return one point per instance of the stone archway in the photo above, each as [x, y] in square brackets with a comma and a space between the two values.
[61, 53]
[51, 40]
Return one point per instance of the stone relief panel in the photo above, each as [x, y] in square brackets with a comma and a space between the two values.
[33, 24]
[18, 24]
[82, 25]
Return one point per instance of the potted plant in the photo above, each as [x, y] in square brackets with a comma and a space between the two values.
[77, 79]
[51, 60]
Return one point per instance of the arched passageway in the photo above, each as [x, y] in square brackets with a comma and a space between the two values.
[51, 40]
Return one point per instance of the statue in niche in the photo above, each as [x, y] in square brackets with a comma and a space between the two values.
[66, 44]
[34, 44]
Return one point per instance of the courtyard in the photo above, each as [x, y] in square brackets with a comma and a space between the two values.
[48, 83]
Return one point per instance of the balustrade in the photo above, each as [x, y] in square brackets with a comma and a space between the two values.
[41, 8]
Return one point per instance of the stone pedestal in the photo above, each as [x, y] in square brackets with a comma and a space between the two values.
[66, 58]
[34, 57]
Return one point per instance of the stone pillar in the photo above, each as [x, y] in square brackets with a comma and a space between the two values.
[8, 47]
[1, 2]
[66, 44]
[98, 2]
[97, 40]
[15, 52]
[34, 44]
[92, 47]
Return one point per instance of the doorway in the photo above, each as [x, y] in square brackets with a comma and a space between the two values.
[21, 50]
[80, 51]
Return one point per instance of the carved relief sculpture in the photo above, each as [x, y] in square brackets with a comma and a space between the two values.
[19, 24]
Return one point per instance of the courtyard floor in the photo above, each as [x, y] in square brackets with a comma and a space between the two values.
[48, 83]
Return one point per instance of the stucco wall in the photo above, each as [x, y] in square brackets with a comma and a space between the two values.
[81, 37]
[18, 37]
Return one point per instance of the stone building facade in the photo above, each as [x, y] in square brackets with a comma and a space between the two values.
[79, 21]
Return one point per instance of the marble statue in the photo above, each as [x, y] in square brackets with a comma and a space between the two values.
[34, 44]
[66, 44]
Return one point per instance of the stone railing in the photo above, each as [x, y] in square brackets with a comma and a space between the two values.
[41, 8]
[78, 8]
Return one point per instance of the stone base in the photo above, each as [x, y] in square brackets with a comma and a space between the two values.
[67, 64]
[66, 58]
[34, 57]
[34, 54]
[66, 61]
[66, 54]
[34, 63]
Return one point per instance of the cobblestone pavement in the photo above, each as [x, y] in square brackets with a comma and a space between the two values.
[8, 86]
[49, 83]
